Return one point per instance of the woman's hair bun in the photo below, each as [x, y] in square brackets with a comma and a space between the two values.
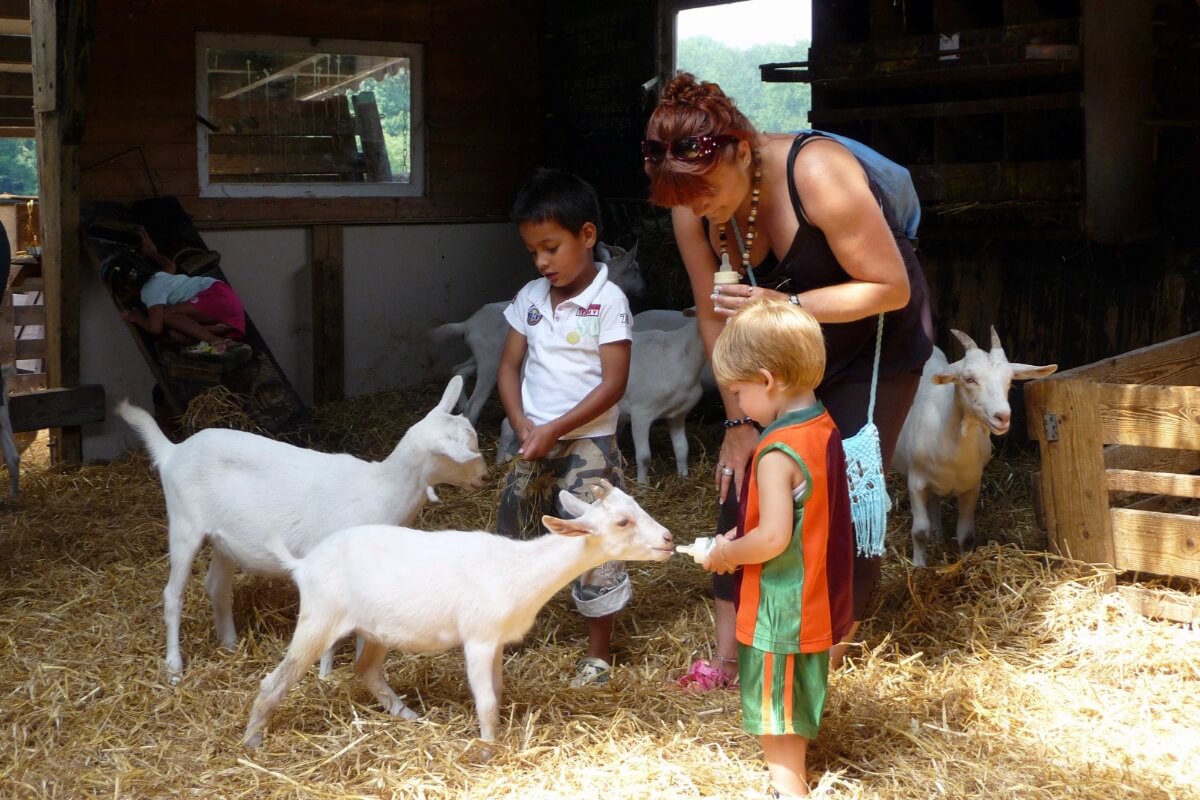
[684, 88]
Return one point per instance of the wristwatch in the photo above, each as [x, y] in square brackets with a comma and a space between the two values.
[794, 299]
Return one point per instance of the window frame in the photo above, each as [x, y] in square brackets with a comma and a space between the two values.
[413, 51]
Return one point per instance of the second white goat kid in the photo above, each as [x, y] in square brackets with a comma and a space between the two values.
[238, 489]
[429, 591]
[945, 442]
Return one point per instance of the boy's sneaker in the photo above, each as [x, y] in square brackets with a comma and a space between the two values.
[591, 671]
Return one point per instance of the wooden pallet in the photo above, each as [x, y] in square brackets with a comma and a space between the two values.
[259, 384]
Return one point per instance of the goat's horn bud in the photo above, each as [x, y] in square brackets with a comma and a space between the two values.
[996, 345]
[967, 341]
[602, 488]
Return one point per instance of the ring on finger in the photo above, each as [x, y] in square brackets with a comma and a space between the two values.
[726, 471]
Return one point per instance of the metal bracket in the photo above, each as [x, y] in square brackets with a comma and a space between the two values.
[1050, 426]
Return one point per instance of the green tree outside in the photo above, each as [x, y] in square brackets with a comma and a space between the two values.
[770, 106]
[18, 166]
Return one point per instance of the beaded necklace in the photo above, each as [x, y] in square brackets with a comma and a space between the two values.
[748, 243]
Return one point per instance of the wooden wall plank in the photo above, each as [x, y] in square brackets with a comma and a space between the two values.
[1151, 541]
[1126, 480]
[1073, 469]
[1150, 416]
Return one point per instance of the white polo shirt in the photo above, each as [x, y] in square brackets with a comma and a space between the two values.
[562, 363]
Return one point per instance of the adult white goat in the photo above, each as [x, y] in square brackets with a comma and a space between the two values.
[430, 591]
[945, 443]
[239, 489]
[12, 456]
[486, 329]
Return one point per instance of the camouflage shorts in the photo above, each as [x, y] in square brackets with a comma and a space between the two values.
[530, 489]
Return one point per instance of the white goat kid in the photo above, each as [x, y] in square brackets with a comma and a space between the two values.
[945, 443]
[239, 489]
[430, 591]
[8, 443]
[664, 382]
[486, 329]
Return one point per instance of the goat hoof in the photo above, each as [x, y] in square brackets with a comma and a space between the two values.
[253, 740]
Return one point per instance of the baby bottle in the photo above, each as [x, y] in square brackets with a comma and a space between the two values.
[727, 276]
[698, 549]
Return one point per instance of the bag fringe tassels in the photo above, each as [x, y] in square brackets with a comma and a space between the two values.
[869, 500]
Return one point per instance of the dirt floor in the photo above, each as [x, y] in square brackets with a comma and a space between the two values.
[1004, 674]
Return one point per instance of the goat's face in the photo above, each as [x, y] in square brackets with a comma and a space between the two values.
[982, 379]
[623, 268]
[618, 523]
[451, 442]
[456, 457]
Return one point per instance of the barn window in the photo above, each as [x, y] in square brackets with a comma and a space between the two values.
[297, 117]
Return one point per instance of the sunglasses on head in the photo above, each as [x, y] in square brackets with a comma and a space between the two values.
[689, 148]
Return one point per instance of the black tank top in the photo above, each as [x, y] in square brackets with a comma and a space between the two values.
[850, 346]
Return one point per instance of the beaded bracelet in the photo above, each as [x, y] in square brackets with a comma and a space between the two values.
[733, 423]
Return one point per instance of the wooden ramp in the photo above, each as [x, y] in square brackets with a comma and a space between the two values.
[259, 384]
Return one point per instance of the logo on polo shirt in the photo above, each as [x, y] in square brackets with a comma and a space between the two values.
[591, 311]
[534, 316]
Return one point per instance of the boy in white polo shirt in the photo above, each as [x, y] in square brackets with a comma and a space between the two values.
[570, 335]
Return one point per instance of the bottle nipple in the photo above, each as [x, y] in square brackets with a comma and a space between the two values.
[698, 549]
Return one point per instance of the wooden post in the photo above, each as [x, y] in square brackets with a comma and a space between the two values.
[370, 130]
[61, 35]
[1065, 420]
[328, 310]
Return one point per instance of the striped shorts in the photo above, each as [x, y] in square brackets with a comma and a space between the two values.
[782, 693]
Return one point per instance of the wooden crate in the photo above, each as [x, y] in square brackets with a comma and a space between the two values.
[1120, 446]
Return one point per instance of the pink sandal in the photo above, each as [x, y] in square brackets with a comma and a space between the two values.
[704, 677]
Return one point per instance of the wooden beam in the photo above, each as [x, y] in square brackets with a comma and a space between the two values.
[992, 105]
[286, 72]
[1151, 459]
[1126, 480]
[1173, 362]
[57, 408]
[1073, 481]
[1151, 541]
[328, 299]
[16, 84]
[1150, 416]
[15, 50]
[14, 9]
[1162, 604]
[60, 56]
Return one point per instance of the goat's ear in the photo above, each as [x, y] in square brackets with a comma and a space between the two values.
[572, 504]
[450, 396]
[940, 378]
[1027, 372]
[565, 527]
[967, 342]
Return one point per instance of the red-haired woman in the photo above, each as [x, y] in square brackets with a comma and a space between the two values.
[802, 215]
